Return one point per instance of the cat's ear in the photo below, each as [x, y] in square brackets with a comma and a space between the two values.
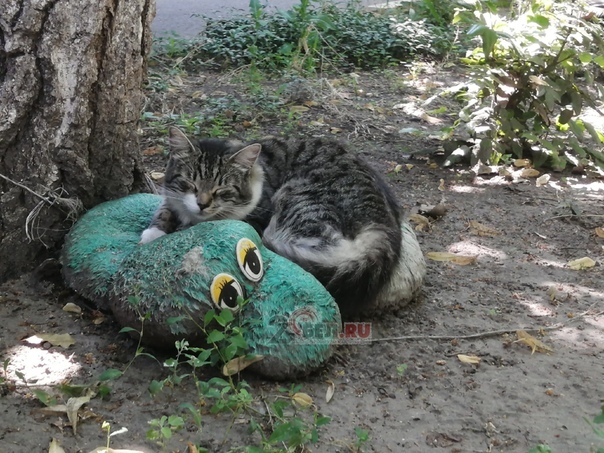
[180, 145]
[246, 157]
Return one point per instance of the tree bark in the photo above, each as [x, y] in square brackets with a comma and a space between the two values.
[71, 78]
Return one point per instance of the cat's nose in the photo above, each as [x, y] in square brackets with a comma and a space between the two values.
[203, 201]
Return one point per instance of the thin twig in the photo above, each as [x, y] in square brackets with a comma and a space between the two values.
[492, 333]
[572, 215]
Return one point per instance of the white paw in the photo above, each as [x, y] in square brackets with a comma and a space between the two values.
[151, 234]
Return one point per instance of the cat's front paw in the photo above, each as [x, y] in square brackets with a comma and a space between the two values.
[151, 234]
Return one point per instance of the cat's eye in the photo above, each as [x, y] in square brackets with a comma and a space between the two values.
[225, 194]
[225, 290]
[249, 260]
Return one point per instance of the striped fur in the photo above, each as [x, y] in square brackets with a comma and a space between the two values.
[312, 201]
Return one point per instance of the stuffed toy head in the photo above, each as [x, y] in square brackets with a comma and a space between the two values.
[288, 316]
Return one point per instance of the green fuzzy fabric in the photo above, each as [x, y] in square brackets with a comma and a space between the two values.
[290, 318]
[98, 243]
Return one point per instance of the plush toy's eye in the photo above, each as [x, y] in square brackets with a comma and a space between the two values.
[249, 259]
[225, 291]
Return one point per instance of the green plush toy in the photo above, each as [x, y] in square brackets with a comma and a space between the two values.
[291, 319]
[183, 275]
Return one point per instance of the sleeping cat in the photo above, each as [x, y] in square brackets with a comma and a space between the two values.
[312, 201]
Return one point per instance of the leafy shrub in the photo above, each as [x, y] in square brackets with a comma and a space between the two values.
[529, 82]
[435, 12]
[308, 37]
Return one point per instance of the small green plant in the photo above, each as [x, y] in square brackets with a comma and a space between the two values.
[401, 369]
[541, 448]
[163, 428]
[362, 438]
[529, 82]
[284, 424]
[597, 425]
[106, 426]
[288, 427]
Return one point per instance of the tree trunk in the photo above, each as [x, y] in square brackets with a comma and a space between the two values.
[71, 76]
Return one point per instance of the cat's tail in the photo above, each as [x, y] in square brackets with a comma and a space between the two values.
[353, 270]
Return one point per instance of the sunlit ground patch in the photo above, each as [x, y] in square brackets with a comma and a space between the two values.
[38, 366]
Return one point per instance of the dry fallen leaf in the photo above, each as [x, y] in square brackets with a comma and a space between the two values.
[521, 163]
[482, 169]
[55, 447]
[64, 340]
[153, 151]
[398, 168]
[72, 308]
[552, 292]
[331, 389]
[435, 211]
[505, 172]
[199, 95]
[409, 166]
[529, 173]
[599, 232]
[462, 260]
[70, 408]
[441, 185]
[421, 221]
[482, 230]
[302, 399]
[532, 342]
[581, 263]
[471, 359]
[237, 364]
[298, 109]
[542, 180]
[73, 405]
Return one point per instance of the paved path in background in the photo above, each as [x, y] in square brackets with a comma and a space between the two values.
[180, 16]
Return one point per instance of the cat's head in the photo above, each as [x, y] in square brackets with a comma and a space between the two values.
[212, 179]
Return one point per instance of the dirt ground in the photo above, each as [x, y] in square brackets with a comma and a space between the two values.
[411, 394]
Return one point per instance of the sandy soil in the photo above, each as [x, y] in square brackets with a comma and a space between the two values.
[407, 387]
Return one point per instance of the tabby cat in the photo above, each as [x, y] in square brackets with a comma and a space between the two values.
[312, 201]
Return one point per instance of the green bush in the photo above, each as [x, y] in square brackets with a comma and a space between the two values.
[311, 37]
[530, 79]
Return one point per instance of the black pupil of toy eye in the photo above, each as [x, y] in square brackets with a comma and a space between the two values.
[252, 262]
[229, 294]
